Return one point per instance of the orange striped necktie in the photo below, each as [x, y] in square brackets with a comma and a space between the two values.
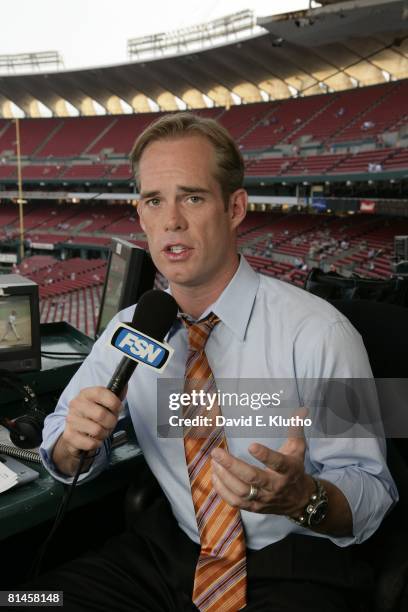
[220, 576]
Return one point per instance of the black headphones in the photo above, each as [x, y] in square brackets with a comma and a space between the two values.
[25, 431]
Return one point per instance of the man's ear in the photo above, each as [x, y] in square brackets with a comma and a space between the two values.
[238, 205]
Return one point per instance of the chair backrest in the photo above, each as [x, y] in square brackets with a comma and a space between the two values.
[384, 329]
[333, 286]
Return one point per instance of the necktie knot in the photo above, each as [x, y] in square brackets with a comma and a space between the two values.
[199, 332]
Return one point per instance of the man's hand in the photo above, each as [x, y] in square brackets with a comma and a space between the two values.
[92, 417]
[282, 485]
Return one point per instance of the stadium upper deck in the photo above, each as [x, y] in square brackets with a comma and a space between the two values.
[332, 48]
[322, 95]
[359, 131]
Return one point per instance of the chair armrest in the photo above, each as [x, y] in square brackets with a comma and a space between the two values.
[392, 580]
[141, 493]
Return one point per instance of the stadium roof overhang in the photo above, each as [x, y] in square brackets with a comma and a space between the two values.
[301, 53]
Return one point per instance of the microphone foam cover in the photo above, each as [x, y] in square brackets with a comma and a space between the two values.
[155, 313]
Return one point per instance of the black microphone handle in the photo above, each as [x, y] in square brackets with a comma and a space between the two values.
[121, 375]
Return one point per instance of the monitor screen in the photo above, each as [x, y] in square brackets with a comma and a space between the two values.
[20, 341]
[130, 273]
[15, 322]
[114, 288]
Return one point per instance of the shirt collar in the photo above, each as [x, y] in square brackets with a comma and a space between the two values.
[234, 305]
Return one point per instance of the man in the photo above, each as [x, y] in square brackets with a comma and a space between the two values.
[255, 557]
[11, 326]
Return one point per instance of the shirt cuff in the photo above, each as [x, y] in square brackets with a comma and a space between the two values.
[369, 498]
[97, 466]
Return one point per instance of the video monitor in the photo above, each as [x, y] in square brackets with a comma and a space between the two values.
[131, 272]
[20, 344]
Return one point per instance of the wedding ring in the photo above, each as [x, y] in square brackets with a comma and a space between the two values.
[253, 493]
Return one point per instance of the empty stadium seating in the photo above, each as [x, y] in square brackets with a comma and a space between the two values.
[385, 111]
[96, 148]
[79, 308]
[69, 219]
[86, 171]
[121, 133]
[86, 149]
[72, 136]
[398, 159]
[275, 244]
[345, 108]
[32, 135]
[360, 162]
[282, 120]
[369, 161]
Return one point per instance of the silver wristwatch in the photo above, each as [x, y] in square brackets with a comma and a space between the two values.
[316, 509]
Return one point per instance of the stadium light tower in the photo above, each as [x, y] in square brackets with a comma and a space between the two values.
[20, 190]
[193, 38]
[37, 61]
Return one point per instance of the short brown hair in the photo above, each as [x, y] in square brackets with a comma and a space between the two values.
[230, 164]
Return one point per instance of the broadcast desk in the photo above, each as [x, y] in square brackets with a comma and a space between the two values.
[34, 503]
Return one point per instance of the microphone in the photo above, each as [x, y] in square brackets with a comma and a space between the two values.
[140, 341]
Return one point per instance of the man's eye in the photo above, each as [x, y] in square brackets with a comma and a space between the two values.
[153, 202]
[195, 199]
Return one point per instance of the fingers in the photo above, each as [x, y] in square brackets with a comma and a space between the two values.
[88, 427]
[274, 460]
[235, 485]
[277, 485]
[233, 488]
[246, 473]
[102, 396]
[296, 431]
[86, 409]
[229, 495]
[92, 416]
[294, 447]
[75, 442]
[296, 443]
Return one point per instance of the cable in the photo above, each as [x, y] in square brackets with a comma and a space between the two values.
[115, 440]
[19, 453]
[62, 509]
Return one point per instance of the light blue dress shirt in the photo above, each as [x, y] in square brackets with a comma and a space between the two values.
[268, 330]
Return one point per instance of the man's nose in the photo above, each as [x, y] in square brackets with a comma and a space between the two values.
[174, 221]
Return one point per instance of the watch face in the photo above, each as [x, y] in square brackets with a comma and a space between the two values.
[318, 514]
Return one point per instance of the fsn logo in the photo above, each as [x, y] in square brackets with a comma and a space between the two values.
[141, 348]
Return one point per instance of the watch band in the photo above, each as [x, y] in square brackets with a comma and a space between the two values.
[316, 509]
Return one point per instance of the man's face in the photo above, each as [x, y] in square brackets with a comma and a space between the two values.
[190, 233]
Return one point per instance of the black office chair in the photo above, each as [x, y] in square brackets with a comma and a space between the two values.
[384, 329]
[334, 286]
